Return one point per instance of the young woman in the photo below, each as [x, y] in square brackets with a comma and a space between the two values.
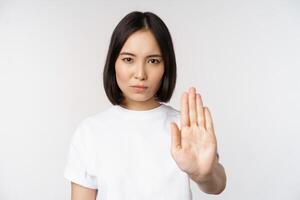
[140, 148]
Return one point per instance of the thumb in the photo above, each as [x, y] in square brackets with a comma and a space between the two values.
[175, 137]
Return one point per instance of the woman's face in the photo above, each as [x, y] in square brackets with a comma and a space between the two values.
[140, 63]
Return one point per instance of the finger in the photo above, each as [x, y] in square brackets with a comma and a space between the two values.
[200, 111]
[175, 138]
[208, 121]
[184, 110]
[192, 106]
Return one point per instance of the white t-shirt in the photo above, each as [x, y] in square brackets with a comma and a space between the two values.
[125, 154]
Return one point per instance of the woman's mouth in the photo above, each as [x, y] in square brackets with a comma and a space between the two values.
[138, 89]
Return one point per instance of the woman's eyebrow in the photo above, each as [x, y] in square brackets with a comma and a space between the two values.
[154, 55]
[126, 53]
[131, 54]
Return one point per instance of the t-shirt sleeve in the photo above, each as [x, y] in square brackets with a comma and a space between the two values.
[76, 169]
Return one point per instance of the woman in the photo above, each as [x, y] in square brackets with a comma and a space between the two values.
[135, 149]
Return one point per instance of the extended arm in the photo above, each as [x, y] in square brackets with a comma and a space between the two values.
[215, 182]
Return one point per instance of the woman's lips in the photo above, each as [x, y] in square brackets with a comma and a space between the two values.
[138, 89]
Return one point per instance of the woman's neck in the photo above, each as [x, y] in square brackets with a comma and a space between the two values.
[140, 105]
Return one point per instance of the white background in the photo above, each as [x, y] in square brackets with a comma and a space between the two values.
[242, 56]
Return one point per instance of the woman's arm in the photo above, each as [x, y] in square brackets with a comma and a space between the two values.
[82, 193]
[216, 182]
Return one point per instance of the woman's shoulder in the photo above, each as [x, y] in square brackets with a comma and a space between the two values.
[97, 118]
[173, 114]
[171, 110]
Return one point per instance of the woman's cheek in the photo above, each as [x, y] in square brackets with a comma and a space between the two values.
[122, 74]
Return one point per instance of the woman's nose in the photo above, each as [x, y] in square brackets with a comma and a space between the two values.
[140, 73]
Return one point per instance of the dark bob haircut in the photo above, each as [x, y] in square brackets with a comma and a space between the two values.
[131, 23]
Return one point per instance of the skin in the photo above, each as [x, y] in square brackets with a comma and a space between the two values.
[79, 192]
[194, 147]
[140, 63]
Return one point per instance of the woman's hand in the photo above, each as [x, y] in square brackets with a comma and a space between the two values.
[194, 147]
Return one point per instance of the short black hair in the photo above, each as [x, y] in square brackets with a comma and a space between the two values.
[131, 23]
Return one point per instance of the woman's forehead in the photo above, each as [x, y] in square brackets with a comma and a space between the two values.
[141, 43]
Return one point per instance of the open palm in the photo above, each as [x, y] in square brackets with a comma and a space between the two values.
[194, 146]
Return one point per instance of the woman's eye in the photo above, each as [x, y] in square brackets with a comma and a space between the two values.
[154, 61]
[127, 59]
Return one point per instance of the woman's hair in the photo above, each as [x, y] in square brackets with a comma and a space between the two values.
[131, 23]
